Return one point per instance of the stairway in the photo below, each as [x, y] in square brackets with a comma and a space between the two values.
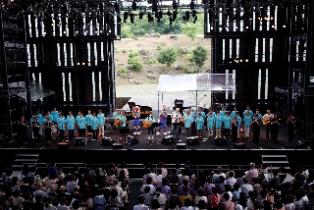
[276, 161]
[20, 160]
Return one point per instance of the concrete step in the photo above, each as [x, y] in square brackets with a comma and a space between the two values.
[274, 158]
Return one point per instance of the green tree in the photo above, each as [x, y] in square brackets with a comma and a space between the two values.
[167, 56]
[135, 63]
[190, 30]
[199, 56]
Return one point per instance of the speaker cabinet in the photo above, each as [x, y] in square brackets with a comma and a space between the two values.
[116, 146]
[181, 146]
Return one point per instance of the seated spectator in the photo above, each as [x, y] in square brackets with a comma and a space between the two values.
[99, 202]
[172, 205]
[227, 204]
[290, 202]
[161, 197]
[252, 173]
[228, 190]
[52, 194]
[124, 183]
[70, 183]
[63, 206]
[165, 188]
[76, 205]
[164, 171]
[52, 180]
[17, 199]
[155, 205]
[218, 174]
[187, 169]
[121, 194]
[196, 185]
[173, 178]
[230, 169]
[242, 202]
[299, 204]
[148, 173]
[305, 171]
[231, 180]
[261, 198]
[114, 198]
[141, 205]
[208, 185]
[275, 180]
[27, 204]
[256, 186]
[87, 201]
[174, 197]
[277, 205]
[185, 196]
[263, 170]
[15, 185]
[123, 168]
[236, 192]
[38, 205]
[150, 185]
[185, 183]
[159, 176]
[52, 168]
[188, 205]
[250, 200]
[147, 196]
[76, 193]
[214, 199]
[110, 177]
[246, 187]
[48, 204]
[220, 185]
[200, 195]
[201, 205]
[270, 194]
[39, 191]
[282, 174]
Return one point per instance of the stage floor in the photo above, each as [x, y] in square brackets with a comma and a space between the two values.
[144, 144]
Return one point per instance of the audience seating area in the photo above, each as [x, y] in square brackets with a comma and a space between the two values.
[36, 185]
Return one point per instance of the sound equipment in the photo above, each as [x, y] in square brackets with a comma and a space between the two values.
[116, 146]
[220, 142]
[178, 103]
[193, 140]
[168, 139]
[131, 140]
[105, 141]
[80, 141]
[181, 146]
[63, 145]
[240, 145]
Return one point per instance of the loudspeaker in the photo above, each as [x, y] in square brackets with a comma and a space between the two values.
[193, 140]
[116, 146]
[80, 141]
[168, 139]
[240, 145]
[107, 141]
[220, 142]
[131, 140]
[181, 146]
[63, 145]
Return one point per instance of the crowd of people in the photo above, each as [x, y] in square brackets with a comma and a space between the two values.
[99, 188]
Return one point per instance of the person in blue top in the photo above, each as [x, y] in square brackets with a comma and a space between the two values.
[210, 125]
[88, 118]
[94, 125]
[218, 122]
[42, 122]
[61, 125]
[223, 112]
[234, 112]
[239, 120]
[199, 121]
[55, 114]
[248, 109]
[81, 122]
[227, 125]
[49, 115]
[211, 111]
[31, 122]
[39, 118]
[150, 119]
[188, 119]
[247, 119]
[122, 127]
[70, 124]
[101, 123]
[203, 115]
[115, 113]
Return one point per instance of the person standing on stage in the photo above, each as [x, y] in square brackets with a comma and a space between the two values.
[199, 121]
[55, 114]
[218, 121]
[88, 119]
[267, 118]
[211, 111]
[122, 127]
[188, 119]
[42, 125]
[227, 125]
[291, 122]
[223, 111]
[255, 128]
[49, 115]
[239, 119]
[234, 112]
[150, 119]
[234, 129]
[47, 126]
[203, 115]
[70, 124]
[94, 125]
[81, 124]
[39, 118]
[163, 122]
[22, 130]
[248, 109]
[247, 119]
[115, 113]
[210, 125]
[101, 123]
[274, 129]
[61, 125]
[35, 125]
[176, 120]
[136, 114]
[54, 130]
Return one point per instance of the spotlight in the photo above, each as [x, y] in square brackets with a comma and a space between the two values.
[134, 7]
[192, 4]
[246, 60]
[132, 18]
[241, 60]
[195, 19]
[193, 13]
[174, 4]
[125, 16]
[284, 26]
[116, 7]
[155, 6]
[141, 14]
[187, 15]
[160, 14]
[174, 15]
[83, 63]
[78, 63]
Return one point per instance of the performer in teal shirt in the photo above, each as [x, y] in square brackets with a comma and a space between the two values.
[70, 124]
[81, 122]
[122, 117]
[188, 119]
[94, 125]
[61, 125]
[218, 122]
[210, 125]
[227, 125]
[101, 122]
[88, 119]
[199, 125]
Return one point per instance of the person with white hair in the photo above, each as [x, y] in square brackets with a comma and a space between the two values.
[252, 173]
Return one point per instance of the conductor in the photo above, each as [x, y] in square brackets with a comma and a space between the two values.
[176, 120]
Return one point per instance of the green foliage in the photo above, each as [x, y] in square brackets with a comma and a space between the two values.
[190, 57]
[115, 48]
[132, 55]
[167, 56]
[124, 50]
[186, 69]
[135, 64]
[180, 51]
[122, 70]
[190, 30]
[152, 61]
[199, 56]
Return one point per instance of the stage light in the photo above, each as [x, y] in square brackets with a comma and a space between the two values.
[78, 63]
[160, 14]
[246, 60]
[195, 19]
[134, 6]
[192, 4]
[116, 7]
[187, 15]
[174, 4]
[132, 18]
[174, 15]
[284, 26]
[141, 14]
[241, 60]
[125, 16]
[83, 63]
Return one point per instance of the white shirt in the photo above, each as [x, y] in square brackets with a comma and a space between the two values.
[152, 188]
[289, 206]
[140, 207]
[305, 173]
[231, 181]
[162, 198]
[175, 114]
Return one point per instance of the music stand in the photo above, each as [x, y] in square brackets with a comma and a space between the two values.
[155, 140]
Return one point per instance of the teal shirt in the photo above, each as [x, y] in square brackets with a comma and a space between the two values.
[150, 119]
[94, 123]
[218, 121]
[123, 119]
[101, 119]
[114, 115]
[210, 122]
[227, 122]
[199, 123]
[247, 119]
[81, 121]
[188, 119]
[70, 121]
[61, 123]
[88, 118]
